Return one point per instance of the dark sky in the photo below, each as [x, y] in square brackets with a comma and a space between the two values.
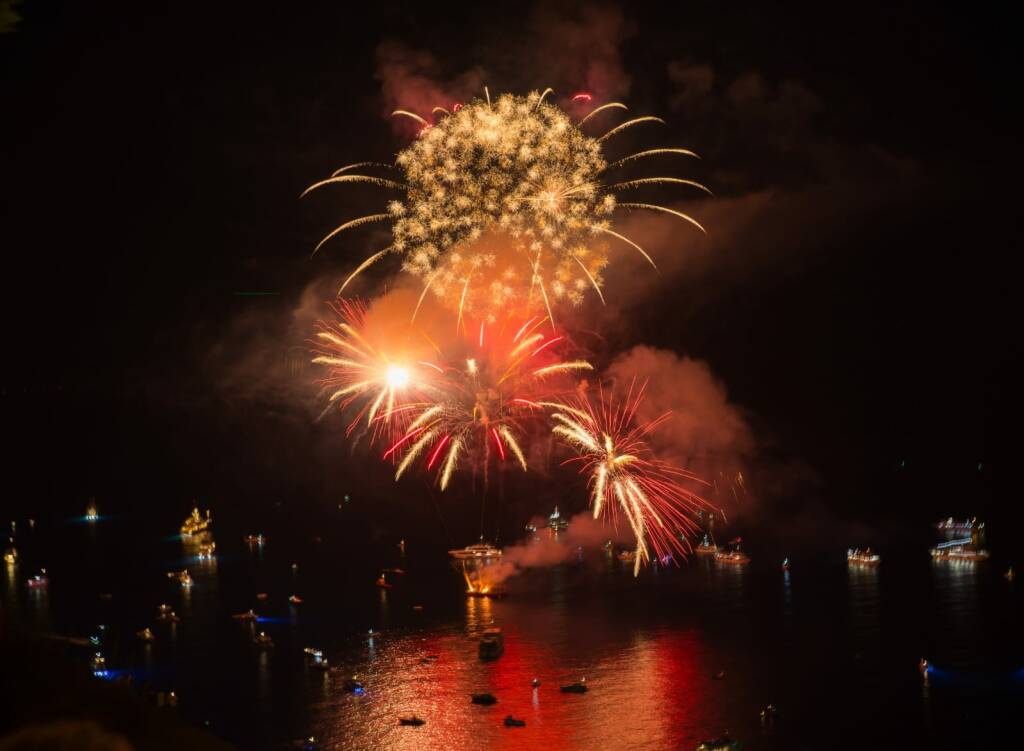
[856, 300]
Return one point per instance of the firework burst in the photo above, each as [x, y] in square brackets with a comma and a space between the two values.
[624, 475]
[506, 203]
[381, 385]
[483, 404]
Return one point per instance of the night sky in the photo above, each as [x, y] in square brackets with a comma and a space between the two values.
[856, 298]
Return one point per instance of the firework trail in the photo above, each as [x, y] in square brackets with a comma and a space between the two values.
[382, 386]
[623, 474]
[507, 203]
[484, 402]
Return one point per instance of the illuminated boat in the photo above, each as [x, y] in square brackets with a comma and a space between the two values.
[145, 635]
[39, 581]
[580, 687]
[353, 685]
[958, 550]
[706, 546]
[627, 556]
[11, 556]
[168, 616]
[964, 527]
[195, 523]
[257, 539]
[263, 640]
[732, 554]
[183, 577]
[512, 722]
[318, 661]
[414, 721]
[865, 557]
[91, 513]
[249, 615]
[206, 550]
[295, 600]
[1009, 575]
[476, 564]
[99, 663]
[383, 583]
[556, 523]
[492, 644]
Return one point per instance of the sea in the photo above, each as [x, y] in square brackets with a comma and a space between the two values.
[820, 656]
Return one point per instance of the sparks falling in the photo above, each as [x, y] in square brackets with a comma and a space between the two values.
[485, 401]
[507, 204]
[623, 474]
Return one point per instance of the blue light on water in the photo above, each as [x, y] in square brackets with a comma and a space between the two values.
[271, 619]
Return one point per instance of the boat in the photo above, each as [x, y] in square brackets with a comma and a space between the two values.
[706, 546]
[535, 682]
[731, 553]
[398, 571]
[261, 596]
[383, 583]
[263, 640]
[182, 576]
[11, 556]
[99, 663]
[959, 550]
[206, 550]
[91, 514]
[865, 557]
[627, 556]
[145, 635]
[785, 564]
[579, 687]
[556, 523]
[320, 663]
[249, 615]
[163, 608]
[257, 539]
[492, 644]
[195, 524]
[512, 722]
[295, 600]
[168, 617]
[417, 608]
[723, 743]
[38, 581]
[309, 744]
[485, 699]
[475, 563]
[414, 721]
[353, 685]
[1009, 575]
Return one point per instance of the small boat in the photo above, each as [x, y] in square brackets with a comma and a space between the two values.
[706, 546]
[414, 721]
[512, 722]
[99, 663]
[261, 596]
[627, 556]
[11, 556]
[432, 657]
[535, 682]
[492, 644]
[295, 600]
[580, 687]
[383, 583]
[163, 608]
[417, 608]
[206, 551]
[38, 581]
[1009, 575]
[249, 615]
[182, 576]
[309, 744]
[353, 685]
[723, 743]
[168, 616]
[320, 663]
[145, 635]
[91, 514]
[485, 699]
[398, 571]
[263, 640]
[556, 523]
[257, 539]
[731, 554]
[785, 564]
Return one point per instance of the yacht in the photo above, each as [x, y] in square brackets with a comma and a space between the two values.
[732, 554]
[195, 523]
[556, 523]
[959, 550]
[865, 557]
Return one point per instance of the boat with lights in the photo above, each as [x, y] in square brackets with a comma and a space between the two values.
[862, 557]
[196, 523]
